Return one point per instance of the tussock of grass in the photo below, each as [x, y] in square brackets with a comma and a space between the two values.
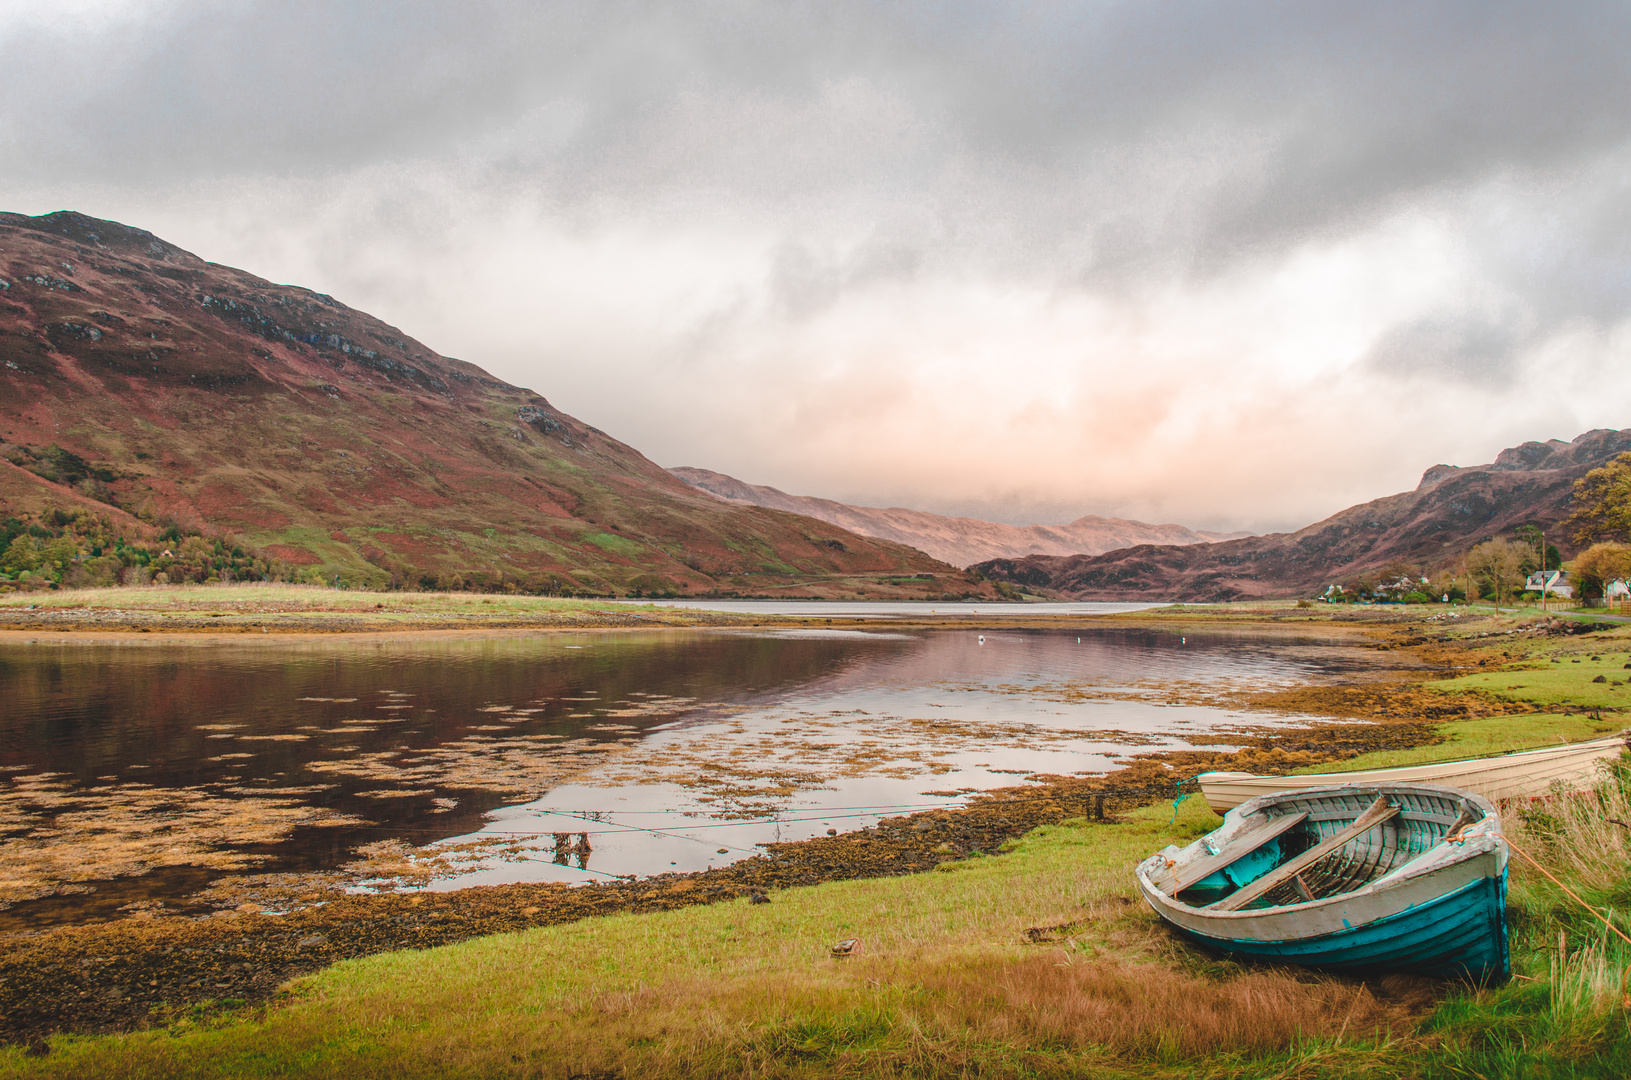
[1152, 1011]
[1567, 1012]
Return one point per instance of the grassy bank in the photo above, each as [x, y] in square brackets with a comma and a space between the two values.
[278, 608]
[948, 978]
[1035, 963]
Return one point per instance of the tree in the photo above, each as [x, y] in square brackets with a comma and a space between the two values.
[1602, 503]
[1599, 565]
[1534, 543]
[1497, 566]
[1447, 585]
[23, 553]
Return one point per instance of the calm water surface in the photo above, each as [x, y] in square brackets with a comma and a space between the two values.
[147, 771]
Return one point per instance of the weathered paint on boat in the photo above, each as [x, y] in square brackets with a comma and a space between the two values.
[1450, 936]
[1430, 904]
[1525, 774]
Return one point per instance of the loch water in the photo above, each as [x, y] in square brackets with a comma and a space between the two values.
[144, 772]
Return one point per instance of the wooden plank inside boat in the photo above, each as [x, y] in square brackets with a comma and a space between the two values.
[1379, 811]
[1243, 846]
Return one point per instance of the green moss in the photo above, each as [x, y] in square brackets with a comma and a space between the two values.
[617, 545]
[1567, 680]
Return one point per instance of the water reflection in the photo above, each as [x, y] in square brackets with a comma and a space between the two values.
[553, 756]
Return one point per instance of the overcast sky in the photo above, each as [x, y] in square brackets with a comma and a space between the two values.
[1232, 265]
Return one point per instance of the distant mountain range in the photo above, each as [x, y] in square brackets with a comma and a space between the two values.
[1449, 511]
[140, 381]
[960, 541]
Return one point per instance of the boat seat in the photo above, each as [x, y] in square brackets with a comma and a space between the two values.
[1242, 846]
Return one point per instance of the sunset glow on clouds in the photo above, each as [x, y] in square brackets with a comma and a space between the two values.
[1235, 266]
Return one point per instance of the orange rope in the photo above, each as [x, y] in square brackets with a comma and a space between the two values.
[1572, 894]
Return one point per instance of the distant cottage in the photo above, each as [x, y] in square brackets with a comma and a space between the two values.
[1550, 583]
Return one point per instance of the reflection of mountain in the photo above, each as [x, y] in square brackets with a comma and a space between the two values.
[1450, 510]
[337, 445]
[960, 541]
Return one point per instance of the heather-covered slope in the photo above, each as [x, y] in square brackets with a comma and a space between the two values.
[1451, 510]
[959, 541]
[335, 443]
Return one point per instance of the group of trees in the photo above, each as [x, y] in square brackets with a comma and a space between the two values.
[1602, 519]
[1498, 569]
[70, 549]
[76, 549]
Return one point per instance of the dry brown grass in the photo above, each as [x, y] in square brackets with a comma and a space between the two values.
[1052, 1013]
[1154, 1011]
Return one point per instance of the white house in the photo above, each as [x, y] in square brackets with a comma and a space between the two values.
[1549, 582]
[1617, 590]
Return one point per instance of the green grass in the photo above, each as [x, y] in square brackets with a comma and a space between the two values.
[617, 545]
[1540, 679]
[1479, 738]
[266, 603]
[947, 984]
[713, 981]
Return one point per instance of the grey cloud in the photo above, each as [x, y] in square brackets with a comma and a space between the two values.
[1095, 142]
[804, 283]
[1450, 347]
[1357, 100]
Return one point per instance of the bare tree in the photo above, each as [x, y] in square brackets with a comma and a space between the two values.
[1496, 565]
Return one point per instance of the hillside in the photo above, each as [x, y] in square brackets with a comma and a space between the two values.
[960, 541]
[140, 381]
[1451, 510]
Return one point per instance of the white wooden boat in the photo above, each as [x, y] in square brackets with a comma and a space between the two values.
[1524, 774]
[1361, 877]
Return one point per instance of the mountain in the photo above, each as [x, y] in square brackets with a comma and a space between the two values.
[137, 378]
[1449, 511]
[959, 541]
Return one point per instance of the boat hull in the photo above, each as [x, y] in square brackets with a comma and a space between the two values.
[1526, 774]
[1458, 935]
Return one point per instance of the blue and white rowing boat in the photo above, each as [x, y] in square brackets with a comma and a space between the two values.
[1357, 877]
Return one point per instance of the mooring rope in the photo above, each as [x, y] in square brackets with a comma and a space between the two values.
[1572, 894]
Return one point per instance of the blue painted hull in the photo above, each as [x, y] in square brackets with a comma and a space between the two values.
[1459, 934]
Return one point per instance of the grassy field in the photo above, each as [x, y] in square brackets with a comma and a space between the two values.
[947, 977]
[278, 595]
[1479, 738]
[314, 607]
[1039, 962]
